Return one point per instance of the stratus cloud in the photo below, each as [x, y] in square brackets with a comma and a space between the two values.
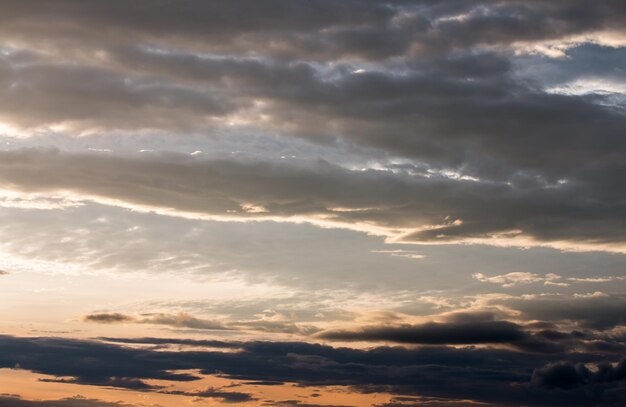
[597, 310]
[185, 320]
[107, 318]
[479, 374]
[433, 113]
[437, 84]
[215, 393]
[474, 332]
[383, 202]
[180, 320]
[518, 277]
[320, 28]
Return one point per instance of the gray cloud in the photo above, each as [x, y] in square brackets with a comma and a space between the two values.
[107, 318]
[414, 121]
[434, 333]
[322, 192]
[323, 28]
[599, 311]
[185, 320]
[436, 85]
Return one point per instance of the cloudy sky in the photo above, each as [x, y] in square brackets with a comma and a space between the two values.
[312, 203]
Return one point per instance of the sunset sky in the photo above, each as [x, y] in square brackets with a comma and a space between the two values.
[305, 203]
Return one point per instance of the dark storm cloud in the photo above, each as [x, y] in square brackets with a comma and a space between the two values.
[489, 375]
[395, 202]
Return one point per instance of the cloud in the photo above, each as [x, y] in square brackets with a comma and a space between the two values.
[180, 320]
[514, 278]
[471, 373]
[381, 202]
[185, 320]
[107, 318]
[434, 333]
[438, 104]
[298, 403]
[453, 122]
[321, 28]
[598, 311]
[76, 401]
[566, 375]
[216, 393]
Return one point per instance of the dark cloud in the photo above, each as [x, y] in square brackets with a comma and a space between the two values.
[298, 403]
[567, 375]
[76, 401]
[107, 318]
[216, 393]
[174, 341]
[598, 311]
[464, 333]
[490, 375]
[434, 333]
[320, 28]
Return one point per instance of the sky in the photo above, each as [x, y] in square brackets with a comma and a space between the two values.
[306, 203]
